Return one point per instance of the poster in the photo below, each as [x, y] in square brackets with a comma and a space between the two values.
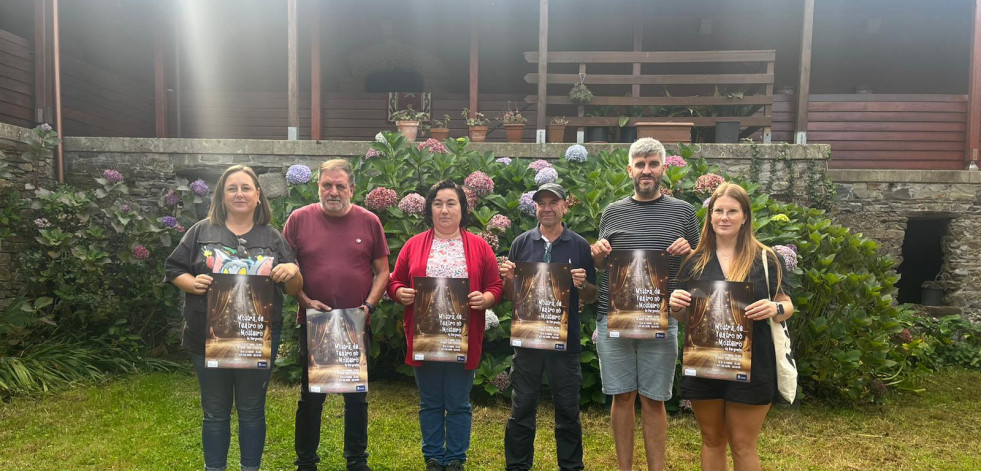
[337, 359]
[718, 336]
[541, 305]
[239, 330]
[638, 281]
[442, 313]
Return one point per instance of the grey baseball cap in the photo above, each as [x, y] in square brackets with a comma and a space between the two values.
[553, 188]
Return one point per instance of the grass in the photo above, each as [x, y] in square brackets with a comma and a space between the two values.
[152, 422]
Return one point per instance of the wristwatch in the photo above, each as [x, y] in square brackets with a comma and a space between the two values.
[779, 309]
[371, 307]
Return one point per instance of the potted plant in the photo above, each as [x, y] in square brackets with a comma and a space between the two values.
[477, 123]
[556, 129]
[580, 94]
[599, 133]
[440, 129]
[514, 123]
[407, 121]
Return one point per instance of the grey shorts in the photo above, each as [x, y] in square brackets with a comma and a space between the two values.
[629, 365]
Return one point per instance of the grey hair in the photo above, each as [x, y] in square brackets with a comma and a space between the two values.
[645, 146]
[339, 164]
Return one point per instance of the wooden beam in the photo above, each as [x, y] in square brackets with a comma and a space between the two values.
[159, 79]
[293, 106]
[662, 100]
[474, 57]
[42, 61]
[652, 57]
[804, 86]
[542, 69]
[679, 79]
[316, 131]
[974, 92]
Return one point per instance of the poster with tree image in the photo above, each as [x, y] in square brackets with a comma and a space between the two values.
[337, 360]
[441, 322]
[638, 299]
[541, 305]
[239, 331]
[718, 336]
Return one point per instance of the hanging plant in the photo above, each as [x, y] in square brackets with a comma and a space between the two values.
[580, 94]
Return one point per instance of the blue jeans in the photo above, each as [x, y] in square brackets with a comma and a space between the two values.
[445, 416]
[219, 386]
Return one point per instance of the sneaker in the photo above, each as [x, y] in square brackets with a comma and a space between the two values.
[432, 464]
[454, 466]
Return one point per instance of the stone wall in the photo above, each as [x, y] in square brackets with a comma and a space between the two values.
[879, 204]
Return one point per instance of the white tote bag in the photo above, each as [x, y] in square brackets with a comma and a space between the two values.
[786, 366]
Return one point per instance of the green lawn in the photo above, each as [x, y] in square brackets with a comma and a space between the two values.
[152, 422]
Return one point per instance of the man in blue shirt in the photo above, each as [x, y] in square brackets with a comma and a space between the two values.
[550, 241]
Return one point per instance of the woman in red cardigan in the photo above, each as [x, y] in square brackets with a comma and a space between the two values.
[447, 250]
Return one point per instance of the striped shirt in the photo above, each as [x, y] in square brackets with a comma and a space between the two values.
[646, 225]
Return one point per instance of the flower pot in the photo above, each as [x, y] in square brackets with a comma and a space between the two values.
[597, 133]
[666, 132]
[440, 134]
[628, 134]
[727, 132]
[409, 129]
[514, 132]
[478, 133]
[556, 133]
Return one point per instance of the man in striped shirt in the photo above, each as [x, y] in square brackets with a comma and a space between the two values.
[646, 220]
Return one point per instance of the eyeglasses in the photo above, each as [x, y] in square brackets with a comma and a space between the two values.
[241, 246]
[731, 213]
[548, 252]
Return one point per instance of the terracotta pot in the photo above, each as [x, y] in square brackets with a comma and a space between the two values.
[440, 134]
[556, 133]
[666, 132]
[409, 129]
[478, 133]
[514, 132]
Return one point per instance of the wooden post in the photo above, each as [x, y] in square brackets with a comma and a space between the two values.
[638, 46]
[974, 93]
[542, 70]
[804, 86]
[42, 62]
[768, 109]
[316, 128]
[293, 116]
[56, 45]
[474, 57]
[159, 80]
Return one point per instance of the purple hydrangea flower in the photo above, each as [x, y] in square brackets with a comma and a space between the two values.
[504, 160]
[41, 223]
[169, 221]
[480, 183]
[381, 198]
[502, 380]
[539, 164]
[546, 175]
[789, 256]
[172, 198]
[526, 204]
[45, 127]
[705, 203]
[298, 174]
[141, 252]
[200, 188]
[112, 176]
[413, 203]
[675, 160]
[576, 153]
[125, 208]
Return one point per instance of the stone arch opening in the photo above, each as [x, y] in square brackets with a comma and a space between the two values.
[923, 257]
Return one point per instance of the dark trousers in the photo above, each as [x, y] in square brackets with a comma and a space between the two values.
[309, 411]
[565, 380]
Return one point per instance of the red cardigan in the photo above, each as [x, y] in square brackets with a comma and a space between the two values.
[484, 277]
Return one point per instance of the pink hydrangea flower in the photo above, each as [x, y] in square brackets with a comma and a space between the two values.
[480, 183]
[372, 153]
[491, 239]
[141, 252]
[675, 160]
[112, 176]
[539, 164]
[471, 198]
[707, 183]
[412, 203]
[434, 146]
[172, 198]
[498, 223]
[788, 254]
[380, 199]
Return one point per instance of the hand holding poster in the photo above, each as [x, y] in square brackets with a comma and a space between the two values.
[442, 315]
[541, 305]
[718, 336]
[239, 334]
[337, 360]
[638, 281]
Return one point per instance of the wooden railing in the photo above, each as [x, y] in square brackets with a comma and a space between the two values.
[677, 91]
[882, 131]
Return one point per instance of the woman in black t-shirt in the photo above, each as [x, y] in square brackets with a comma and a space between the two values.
[731, 413]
